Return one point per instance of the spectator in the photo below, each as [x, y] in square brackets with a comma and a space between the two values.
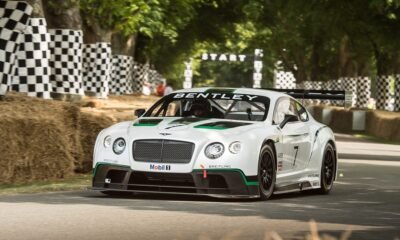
[146, 89]
[168, 89]
[160, 88]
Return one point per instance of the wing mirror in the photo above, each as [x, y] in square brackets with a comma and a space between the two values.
[139, 112]
[288, 118]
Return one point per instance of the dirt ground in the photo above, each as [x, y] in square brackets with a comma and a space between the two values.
[118, 108]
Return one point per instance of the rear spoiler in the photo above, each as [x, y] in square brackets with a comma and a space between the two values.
[338, 95]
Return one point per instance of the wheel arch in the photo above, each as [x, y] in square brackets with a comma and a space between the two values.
[332, 142]
[272, 144]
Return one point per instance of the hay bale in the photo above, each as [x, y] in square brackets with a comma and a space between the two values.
[41, 139]
[342, 120]
[33, 149]
[383, 125]
[317, 113]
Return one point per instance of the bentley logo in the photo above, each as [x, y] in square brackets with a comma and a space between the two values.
[165, 134]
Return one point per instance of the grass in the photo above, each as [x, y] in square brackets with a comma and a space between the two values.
[76, 182]
[375, 139]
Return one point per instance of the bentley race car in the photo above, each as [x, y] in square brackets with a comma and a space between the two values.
[218, 142]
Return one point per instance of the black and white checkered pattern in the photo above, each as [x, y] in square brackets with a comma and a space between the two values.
[66, 61]
[32, 70]
[96, 70]
[350, 84]
[14, 16]
[383, 92]
[140, 76]
[121, 81]
[154, 76]
[284, 80]
[363, 92]
[307, 84]
[336, 84]
[397, 93]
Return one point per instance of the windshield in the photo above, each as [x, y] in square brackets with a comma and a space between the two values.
[212, 105]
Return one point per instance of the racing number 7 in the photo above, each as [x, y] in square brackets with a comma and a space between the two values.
[296, 148]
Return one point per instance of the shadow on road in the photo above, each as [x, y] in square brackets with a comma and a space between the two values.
[367, 196]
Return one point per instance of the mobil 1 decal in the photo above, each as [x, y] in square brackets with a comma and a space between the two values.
[216, 95]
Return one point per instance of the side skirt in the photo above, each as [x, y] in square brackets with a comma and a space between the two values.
[296, 187]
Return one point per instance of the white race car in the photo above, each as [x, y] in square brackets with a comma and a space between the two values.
[218, 142]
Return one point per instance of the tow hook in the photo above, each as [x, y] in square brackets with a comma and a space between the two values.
[204, 171]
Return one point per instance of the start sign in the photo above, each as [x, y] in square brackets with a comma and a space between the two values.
[223, 57]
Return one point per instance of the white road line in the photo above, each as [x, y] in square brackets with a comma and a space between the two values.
[372, 162]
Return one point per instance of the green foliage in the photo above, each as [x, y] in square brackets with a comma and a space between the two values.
[118, 15]
[315, 39]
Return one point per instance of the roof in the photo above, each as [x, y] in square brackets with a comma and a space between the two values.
[255, 91]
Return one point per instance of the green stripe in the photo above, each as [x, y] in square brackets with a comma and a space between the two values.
[94, 171]
[248, 183]
[221, 125]
[148, 122]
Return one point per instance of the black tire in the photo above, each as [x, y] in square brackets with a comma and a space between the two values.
[328, 169]
[266, 172]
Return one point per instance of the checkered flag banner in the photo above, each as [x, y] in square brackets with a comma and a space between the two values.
[383, 92]
[96, 70]
[350, 84]
[66, 61]
[14, 16]
[336, 84]
[307, 84]
[121, 81]
[363, 92]
[32, 70]
[284, 80]
[397, 94]
[140, 76]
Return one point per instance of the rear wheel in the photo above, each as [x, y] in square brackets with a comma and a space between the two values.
[328, 169]
[266, 172]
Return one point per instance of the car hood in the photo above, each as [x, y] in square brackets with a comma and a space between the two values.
[188, 128]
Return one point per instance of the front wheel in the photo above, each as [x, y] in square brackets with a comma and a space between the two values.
[266, 172]
[328, 169]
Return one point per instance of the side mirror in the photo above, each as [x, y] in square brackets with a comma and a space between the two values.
[288, 118]
[139, 112]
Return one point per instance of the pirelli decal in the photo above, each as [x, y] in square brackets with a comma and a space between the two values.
[215, 95]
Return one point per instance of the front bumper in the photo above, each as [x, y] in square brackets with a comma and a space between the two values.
[217, 183]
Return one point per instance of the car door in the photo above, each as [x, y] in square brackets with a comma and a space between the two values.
[293, 144]
[303, 138]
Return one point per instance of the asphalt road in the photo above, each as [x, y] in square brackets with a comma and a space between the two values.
[365, 200]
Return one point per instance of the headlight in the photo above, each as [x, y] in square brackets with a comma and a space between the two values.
[119, 145]
[214, 150]
[235, 147]
[107, 141]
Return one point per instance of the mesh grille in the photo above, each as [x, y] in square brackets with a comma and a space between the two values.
[162, 151]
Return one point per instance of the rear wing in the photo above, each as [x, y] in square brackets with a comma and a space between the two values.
[335, 95]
